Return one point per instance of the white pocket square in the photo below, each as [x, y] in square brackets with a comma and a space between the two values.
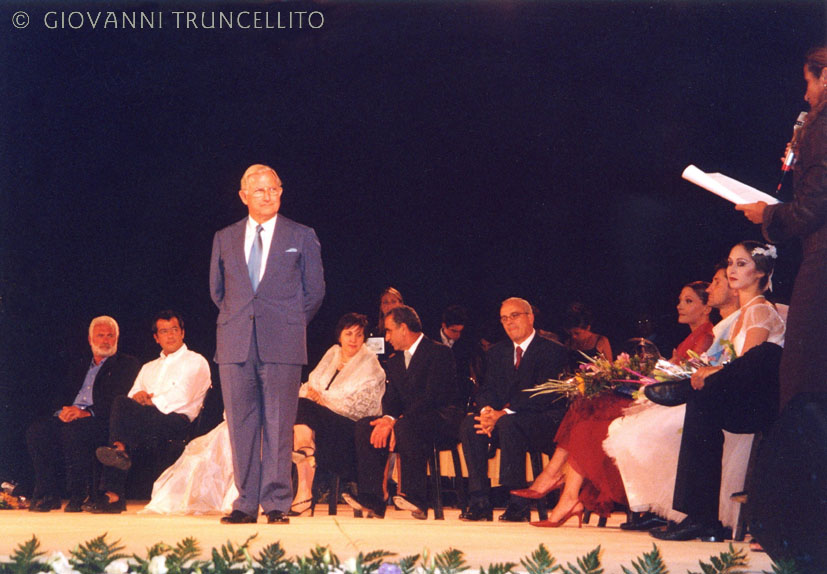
[291, 250]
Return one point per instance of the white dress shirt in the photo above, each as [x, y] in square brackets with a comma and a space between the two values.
[267, 230]
[177, 382]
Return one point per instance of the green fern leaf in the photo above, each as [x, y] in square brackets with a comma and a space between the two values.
[728, 562]
[407, 564]
[503, 568]
[540, 562]
[450, 561]
[588, 564]
[24, 559]
[649, 563]
[95, 555]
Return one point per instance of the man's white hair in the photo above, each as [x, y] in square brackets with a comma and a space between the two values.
[104, 320]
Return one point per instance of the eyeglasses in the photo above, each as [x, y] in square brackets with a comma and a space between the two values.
[262, 191]
[175, 330]
[512, 316]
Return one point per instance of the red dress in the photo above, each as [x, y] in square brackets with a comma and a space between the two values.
[582, 432]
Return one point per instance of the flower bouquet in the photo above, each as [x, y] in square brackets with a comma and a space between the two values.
[599, 374]
[669, 384]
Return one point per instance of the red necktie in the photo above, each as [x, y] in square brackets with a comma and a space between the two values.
[519, 358]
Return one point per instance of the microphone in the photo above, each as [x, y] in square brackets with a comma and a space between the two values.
[789, 159]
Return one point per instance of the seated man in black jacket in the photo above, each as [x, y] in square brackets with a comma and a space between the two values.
[419, 407]
[508, 417]
[80, 420]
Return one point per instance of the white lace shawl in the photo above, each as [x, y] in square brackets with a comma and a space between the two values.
[763, 316]
[357, 390]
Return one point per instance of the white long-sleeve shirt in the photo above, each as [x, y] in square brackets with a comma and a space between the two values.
[177, 382]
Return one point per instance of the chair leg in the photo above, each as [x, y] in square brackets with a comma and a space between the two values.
[536, 468]
[462, 492]
[435, 475]
[333, 496]
[740, 531]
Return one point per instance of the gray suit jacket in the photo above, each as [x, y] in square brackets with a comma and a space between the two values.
[287, 298]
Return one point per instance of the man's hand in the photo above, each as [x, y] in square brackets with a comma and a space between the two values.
[382, 433]
[753, 211]
[72, 413]
[143, 398]
[487, 420]
[699, 377]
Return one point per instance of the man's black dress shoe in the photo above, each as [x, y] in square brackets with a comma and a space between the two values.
[105, 507]
[417, 511]
[75, 504]
[238, 517]
[45, 504]
[690, 529]
[277, 517]
[478, 513]
[90, 502]
[363, 507]
[645, 521]
[516, 513]
[111, 456]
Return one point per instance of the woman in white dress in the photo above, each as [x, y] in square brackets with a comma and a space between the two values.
[346, 385]
[646, 441]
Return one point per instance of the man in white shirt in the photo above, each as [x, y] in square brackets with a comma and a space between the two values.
[165, 398]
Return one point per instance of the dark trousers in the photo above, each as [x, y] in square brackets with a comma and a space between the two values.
[52, 443]
[741, 398]
[515, 434]
[137, 426]
[414, 443]
[335, 451]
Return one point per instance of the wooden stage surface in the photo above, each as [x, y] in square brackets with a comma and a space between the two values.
[482, 543]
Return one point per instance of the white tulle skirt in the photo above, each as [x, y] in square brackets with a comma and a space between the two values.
[645, 443]
[200, 481]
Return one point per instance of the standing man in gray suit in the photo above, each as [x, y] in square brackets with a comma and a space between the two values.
[267, 280]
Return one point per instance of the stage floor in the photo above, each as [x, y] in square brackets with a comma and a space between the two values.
[482, 543]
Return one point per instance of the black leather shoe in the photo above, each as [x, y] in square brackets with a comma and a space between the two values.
[89, 504]
[111, 456]
[515, 513]
[45, 504]
[418, 512]
[690, 529]
[238, 517]
[277, 517]
[645, 521]
[75, 504]
[478, 513]
[106, 507]
[364, 508]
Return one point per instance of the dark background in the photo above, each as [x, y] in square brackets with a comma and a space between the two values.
[462, 152]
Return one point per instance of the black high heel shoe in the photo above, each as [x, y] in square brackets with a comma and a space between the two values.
[311, 508]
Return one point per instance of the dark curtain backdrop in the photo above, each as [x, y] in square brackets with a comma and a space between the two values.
[462, 152]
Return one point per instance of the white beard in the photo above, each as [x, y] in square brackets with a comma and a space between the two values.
[99, 352]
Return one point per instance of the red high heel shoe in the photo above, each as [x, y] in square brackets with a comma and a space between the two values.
[562, 521]
[532, 494]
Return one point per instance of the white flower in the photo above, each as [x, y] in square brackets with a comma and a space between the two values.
[117, 567]
[158, 565]
[349, 565]
[766, 251]
[60, 564]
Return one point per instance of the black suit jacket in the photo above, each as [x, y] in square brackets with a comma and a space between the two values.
[427, 385]
[114, 378]
[503, 385]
